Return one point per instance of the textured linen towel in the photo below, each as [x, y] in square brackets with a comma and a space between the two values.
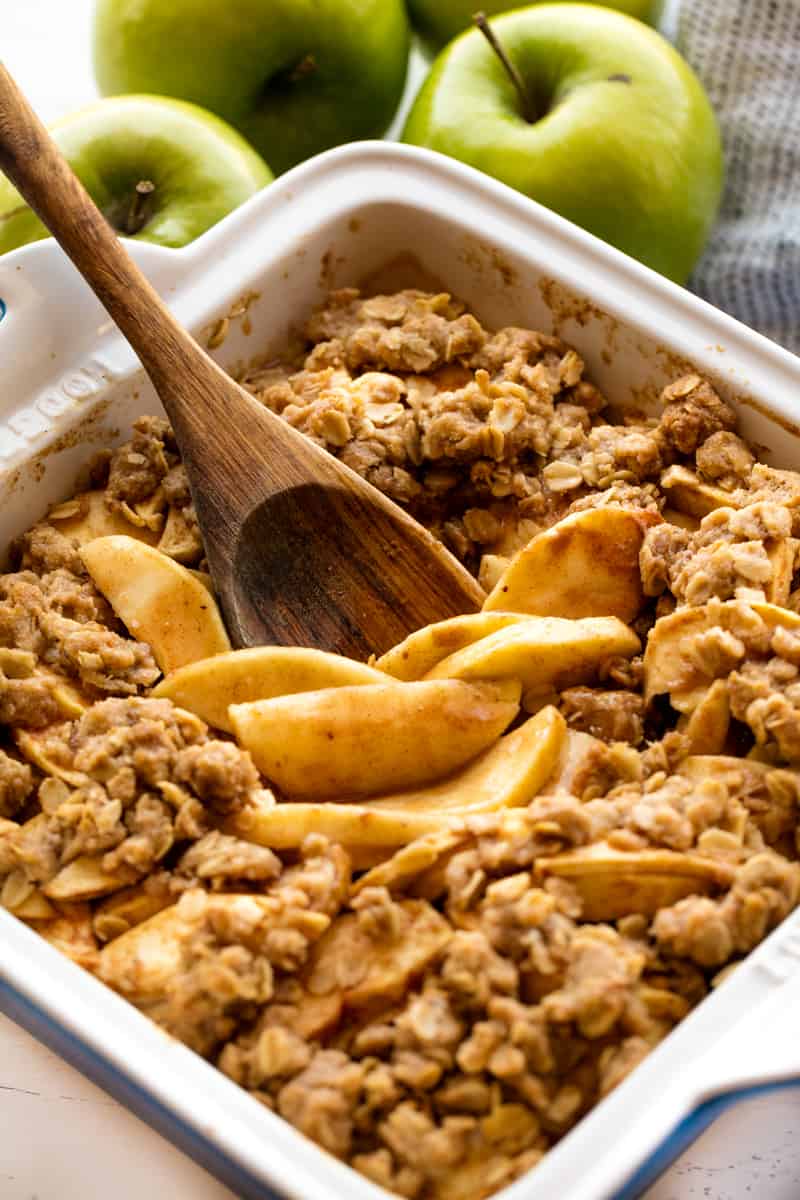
[747, 53]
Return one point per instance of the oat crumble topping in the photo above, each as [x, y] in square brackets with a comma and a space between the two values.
[437, 1010]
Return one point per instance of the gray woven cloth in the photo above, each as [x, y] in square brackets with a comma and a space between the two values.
[747, 53]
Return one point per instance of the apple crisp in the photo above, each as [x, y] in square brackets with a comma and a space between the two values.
[433, 952]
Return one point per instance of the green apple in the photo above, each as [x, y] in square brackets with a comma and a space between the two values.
[620, 136]
[438, 21]
[294, 76]
[160, 170]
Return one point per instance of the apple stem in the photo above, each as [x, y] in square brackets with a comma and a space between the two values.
[306, 66]
[528, 108]
[137, 218]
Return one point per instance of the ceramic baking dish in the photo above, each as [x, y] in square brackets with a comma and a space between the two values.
[382, 216]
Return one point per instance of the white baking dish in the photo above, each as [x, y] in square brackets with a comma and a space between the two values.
[69, 384]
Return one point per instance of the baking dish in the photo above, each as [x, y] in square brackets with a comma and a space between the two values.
[383, 216]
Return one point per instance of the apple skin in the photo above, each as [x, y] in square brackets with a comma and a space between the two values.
[628, 145]
[237, 60]
[201, 168]
[439, 21]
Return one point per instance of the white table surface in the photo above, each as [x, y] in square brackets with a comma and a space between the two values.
[61, 1138]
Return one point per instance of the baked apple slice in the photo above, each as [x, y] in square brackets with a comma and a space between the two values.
[208, 687]
[586, 565]
[159, 601]
[364, 740]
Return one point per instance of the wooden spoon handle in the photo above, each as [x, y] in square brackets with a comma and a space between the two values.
[34, 164]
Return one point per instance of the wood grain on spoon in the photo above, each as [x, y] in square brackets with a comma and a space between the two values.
[302, 550]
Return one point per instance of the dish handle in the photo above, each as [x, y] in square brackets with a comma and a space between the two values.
[760, 1053]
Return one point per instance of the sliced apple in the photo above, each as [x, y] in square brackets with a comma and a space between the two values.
[70, 699]
[128, 908]
[782, 553]
[586, 565]
[707, 727]
[15, 887]
[148, 953]
[617, 883]
[421, 651]
[577, 750]
[508, 774]
[669, 665]
[775, 616]
[144, 962]
[310, 1017]
[546, 653]
[363, 740]
[210, 686]
[35, 907]
[411, 861]
[83, 879]
[687, 493]
[159, 601]
[286, 826]
[738, 774]
[87, 517]
[181, 538]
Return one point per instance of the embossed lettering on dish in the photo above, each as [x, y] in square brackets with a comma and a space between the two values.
[781, 958]
[41, 416]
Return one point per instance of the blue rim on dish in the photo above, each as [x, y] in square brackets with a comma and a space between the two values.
[200, 1150]
[688, 1131]
[137, 1099]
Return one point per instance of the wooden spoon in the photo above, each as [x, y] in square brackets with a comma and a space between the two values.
[302, 550]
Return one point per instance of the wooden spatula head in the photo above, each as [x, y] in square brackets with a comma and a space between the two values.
[363, 594]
